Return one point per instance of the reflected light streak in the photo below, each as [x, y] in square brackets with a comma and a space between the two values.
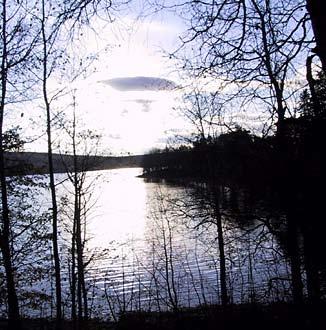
[122, 196]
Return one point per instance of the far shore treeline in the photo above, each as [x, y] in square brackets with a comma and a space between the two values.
[24, 163]
[233, 157]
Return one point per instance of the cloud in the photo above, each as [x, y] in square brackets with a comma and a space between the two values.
[127, 84]
[146, 103]
[115, 136]
[124, 112]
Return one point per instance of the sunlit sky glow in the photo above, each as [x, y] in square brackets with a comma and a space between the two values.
[133, 119]
[130, 92]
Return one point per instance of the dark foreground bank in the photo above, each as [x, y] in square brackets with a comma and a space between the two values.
[276, 316]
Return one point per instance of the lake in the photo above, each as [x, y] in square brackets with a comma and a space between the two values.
[154, 246]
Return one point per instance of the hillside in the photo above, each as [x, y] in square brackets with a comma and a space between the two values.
[18, 163]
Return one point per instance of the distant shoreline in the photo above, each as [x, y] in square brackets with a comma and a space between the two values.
[24, 163]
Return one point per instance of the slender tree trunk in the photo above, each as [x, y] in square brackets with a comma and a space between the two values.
[174, 290]
[51, 174]
[155, 279]
[82, 304]
[78, 183]
[13, 307]
[295, 262]
[79, 257]
[311, 265]
[54, 221]
[169, 283]
[73, 276]
[220, 237]
[82, 292]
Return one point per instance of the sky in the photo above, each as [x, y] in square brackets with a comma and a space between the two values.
[130, 97]
[128, 93]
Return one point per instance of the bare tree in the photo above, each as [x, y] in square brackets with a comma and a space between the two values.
[80, 156]
[164, 248]
[208, 210]
[82, 205]
[48, 64]
[204, 112]
[29, 231]
[30, 30]
[53, 58]
[253, 46]
[16, 46]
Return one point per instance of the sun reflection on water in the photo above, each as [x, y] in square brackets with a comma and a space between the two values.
[122, 208]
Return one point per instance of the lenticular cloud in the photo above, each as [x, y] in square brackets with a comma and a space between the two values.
[126, 84]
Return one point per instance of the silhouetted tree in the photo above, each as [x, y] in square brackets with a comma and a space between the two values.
[48, 55]
[319, 27]
[28, 229]
[87, 143]
[313, 101]
[203, 112]
[53, 58]
[16, 46]
[252, 49]
[163, 239]
[309, 137]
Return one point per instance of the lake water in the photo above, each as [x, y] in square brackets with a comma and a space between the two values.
[158, 255]
[154, 246]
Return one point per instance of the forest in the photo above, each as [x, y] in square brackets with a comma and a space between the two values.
[239, 199]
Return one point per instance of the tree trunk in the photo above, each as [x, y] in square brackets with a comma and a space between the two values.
[311, 265]
[295, 262]
[276, 83]
[51, 174]
[312, 87]
[220, 237]
[73, 277]
[78, 184]
[13, 307]
[169, 269]
[80, 264]
[318, 21]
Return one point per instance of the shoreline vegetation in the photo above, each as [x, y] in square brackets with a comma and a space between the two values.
[236, 157]
[280, 316]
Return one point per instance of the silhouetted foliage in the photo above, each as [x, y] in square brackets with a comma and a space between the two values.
[263, 196]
